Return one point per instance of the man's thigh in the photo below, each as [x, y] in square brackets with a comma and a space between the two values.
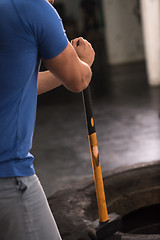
[24, 211]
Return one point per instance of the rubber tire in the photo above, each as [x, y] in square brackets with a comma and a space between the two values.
[127, 189]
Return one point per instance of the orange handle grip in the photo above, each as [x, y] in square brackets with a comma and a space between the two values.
[101, 200]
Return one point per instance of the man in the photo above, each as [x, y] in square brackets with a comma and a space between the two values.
[31, 30]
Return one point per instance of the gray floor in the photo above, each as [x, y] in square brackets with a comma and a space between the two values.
[127, 124]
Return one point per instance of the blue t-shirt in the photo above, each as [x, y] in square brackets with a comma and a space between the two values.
[29, 30]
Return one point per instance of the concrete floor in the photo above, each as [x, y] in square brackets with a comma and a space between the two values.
[127, 124]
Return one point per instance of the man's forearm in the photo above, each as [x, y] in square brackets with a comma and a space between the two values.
[46, 82]
[71, 68]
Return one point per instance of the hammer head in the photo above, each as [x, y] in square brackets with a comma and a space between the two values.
[104, 231]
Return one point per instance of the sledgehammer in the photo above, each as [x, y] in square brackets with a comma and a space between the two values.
[107, 224]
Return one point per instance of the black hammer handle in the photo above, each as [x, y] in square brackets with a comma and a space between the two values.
[87, 101]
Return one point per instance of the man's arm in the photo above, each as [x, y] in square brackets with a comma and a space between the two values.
[68, 69]
[46, 82]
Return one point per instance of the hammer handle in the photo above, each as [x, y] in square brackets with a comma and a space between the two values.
[96, 166]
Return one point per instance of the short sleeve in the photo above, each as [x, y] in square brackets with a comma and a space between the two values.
[43, 25]
[52, 39]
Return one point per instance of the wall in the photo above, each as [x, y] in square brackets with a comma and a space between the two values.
[151, 32]
[122, 31]
[71, 7]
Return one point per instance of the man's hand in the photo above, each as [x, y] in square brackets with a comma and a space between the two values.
[84, 50]
[74, 73]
